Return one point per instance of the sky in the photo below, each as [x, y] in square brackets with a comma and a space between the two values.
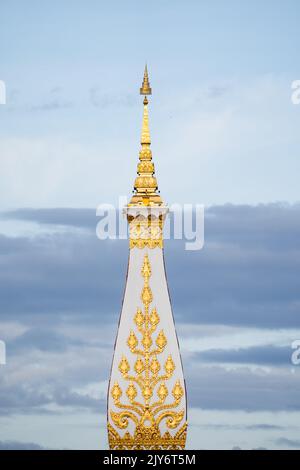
[224, 127]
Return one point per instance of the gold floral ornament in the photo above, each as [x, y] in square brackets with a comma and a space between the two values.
[147, 391]
[146, 231]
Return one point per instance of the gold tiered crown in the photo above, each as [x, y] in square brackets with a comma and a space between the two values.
[145, 185]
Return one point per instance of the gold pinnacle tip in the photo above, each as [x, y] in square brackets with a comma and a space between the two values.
[145, 88]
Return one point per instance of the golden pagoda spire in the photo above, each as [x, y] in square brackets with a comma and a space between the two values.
[145, 89]
[146, 407]
[145, 185]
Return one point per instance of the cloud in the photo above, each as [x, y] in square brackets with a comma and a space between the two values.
[15, 445]
[262, 355]
[60, 274]
[61, 291]
[43, 339]
[249, 427]
[50, 184]
[217, 388]
[81, 218]
[244, 134]
[246, 275]
[52, 380]
[23, 399]
[68, 398]
[285, 442]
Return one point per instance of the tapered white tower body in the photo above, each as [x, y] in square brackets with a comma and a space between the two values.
[146, 394]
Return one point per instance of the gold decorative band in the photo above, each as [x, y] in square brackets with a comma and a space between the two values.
[147, 439]
[146, 243]
[146, 232]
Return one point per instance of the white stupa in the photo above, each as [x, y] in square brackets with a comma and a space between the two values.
[146, 394]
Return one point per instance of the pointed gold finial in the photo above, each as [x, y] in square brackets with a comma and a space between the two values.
[145, 88]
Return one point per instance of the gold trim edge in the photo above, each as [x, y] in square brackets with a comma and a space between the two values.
[146, 243]
[147, 439]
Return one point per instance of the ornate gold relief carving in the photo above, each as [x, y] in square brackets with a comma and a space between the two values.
[146, 232]
[146, 406]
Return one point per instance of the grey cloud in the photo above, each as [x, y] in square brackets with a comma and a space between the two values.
[16, 445]
[241, 389]
[44, 339]
[285, 442]
[23, 398]
[265, 226]
[36, 394]
[209, 388]
[262, 355]
[247, 273]
[236, 427]
[47, 339]
[264, 427]
[81, 218]
[65, 397]
[42, 372]
[60, 274]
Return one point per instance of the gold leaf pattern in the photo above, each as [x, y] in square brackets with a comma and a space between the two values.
[146, 232]
[161, 340]
[139, 366]
[147, 415]
[124, 366]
